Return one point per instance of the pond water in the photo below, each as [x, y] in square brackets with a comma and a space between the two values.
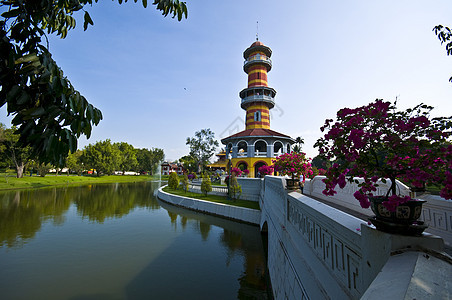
[117, 241]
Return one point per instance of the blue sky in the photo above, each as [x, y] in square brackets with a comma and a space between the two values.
[157, 80]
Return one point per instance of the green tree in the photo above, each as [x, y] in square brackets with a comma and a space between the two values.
[102, 156]
[206, 184]
[43, 168]
[445, 36]
[173, 181]
[320, 163]
[235, 190]
[49, 112]
[74, 162]
[202, 147]
[149, 160]
[14, 152]
[185, 183]
[3, 158]
[128, 159]
[189, 163]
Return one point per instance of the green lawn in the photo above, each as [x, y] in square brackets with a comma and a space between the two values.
[27, 182]
[214, 198]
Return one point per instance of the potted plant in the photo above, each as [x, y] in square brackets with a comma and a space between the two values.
[377, 142]
[293, 165]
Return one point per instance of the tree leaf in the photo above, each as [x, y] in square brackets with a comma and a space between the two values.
[88, 20]
[12, 13]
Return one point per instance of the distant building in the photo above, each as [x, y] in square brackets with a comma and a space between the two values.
[168, 168]
[257, 145]
[221, 163]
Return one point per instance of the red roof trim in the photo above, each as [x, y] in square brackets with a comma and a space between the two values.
[257, 132]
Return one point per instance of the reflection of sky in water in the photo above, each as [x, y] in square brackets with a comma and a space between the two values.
[117, 241]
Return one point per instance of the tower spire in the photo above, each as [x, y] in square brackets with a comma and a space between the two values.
[257, 30]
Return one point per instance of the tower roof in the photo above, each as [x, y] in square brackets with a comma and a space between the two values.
[257, 46]
[257, 43]
[256, 132]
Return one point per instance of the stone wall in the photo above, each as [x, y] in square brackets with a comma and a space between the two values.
[437, 212]
[242, 214]
[251, 188]
[318, 252]
[344, 197]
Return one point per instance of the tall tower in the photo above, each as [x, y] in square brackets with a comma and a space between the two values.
[257, 98]
[257, 145]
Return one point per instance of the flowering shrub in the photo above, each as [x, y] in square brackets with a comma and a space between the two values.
[236, 171]
[322, 171]
[246, 172]
[266, 170]
[376, 141]
[293, 164]
[191, 176]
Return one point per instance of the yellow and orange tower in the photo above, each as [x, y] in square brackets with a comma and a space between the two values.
[257, 145]
[257, 98]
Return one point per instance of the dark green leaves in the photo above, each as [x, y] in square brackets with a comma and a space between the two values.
[12, 13]
[444, 35]
[50, 114]
[174, 7]
[87, 21]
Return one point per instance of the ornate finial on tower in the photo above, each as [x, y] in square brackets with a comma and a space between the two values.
[257, 30]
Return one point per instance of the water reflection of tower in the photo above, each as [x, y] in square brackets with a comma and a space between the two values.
[253, 279]
[257, 145]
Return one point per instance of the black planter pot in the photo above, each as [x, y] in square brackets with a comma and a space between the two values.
[292, 184]
[402, 221]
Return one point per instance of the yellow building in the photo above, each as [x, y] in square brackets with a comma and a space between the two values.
[221, 163]
[257, 145]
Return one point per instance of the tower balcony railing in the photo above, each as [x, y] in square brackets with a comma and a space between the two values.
[255, 98]
[258, 57]
[260, 154]
[242, 154]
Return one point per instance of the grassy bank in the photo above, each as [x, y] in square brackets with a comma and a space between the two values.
[214, 198]
[31, 182]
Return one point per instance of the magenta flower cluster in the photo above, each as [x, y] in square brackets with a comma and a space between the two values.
[293, 164]
[266, 170]
[236, 172]
[378, 142]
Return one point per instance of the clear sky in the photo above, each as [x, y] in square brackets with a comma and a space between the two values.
[157, 80]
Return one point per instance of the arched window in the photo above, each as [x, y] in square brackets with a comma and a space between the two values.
[257, 116]
[242, 148]
[242, 166]
[260, 148]
[278, 148]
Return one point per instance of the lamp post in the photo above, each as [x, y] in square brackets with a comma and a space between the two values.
[229, 173]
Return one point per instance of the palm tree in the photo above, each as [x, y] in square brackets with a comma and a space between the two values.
[299, 141]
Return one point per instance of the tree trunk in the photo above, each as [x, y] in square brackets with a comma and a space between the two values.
[20, 169]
